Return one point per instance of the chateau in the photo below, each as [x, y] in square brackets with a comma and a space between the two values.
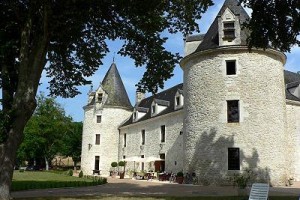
[235, 110]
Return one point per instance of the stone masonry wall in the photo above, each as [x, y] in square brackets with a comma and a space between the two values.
[293, 131]
[260, 134]
[109, 138]
[173, 147]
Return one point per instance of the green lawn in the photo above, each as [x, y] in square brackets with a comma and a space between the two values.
[40, 180]
[158, 198]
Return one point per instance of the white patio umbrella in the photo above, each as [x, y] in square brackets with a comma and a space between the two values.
[135, 159]
[153, 159]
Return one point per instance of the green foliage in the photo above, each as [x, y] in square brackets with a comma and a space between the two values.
[45, 132]
[80, 174]
[274, 22]
[21, 170]
[122, 163]
[241, 180]
[179, 174]
[114, 164]
[70, 172]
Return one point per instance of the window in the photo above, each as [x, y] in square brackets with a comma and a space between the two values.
[230, 67]
[181, 132]
[134, 115]
[153, 109]
[233, 159]
[97, 139]
[163, 133]
[124, 157]
[178, 101]
[124, 140]
[97, 162]
[143, 164]
[98, 118]
[229, 30]
[100, 95]
[233, 114]
[143, 137]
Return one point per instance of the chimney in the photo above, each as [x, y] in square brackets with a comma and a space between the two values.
[139, 96]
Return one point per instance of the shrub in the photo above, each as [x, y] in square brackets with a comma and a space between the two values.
[242, 179]
[114, 164]
[21, 170]
[70, 172]
[122, 163]
[180, 174]
[80, 174]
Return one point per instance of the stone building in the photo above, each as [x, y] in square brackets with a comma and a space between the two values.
[235, 110]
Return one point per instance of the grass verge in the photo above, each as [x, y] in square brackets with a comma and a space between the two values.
[42, 180]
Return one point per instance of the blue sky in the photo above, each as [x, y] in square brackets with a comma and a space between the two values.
[131, 75]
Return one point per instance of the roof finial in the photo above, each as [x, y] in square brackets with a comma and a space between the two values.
[114, 57]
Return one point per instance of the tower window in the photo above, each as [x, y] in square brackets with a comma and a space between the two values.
[233, 113]
[233, 159]
[100, 95]
[163, 133]
[178, 101]
[230, 67]
[143, 137]
[229, 30]
[124, 140]
[98, 118]
[97, 139]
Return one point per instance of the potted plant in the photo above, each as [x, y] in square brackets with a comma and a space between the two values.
[179, 177]
[114, 165]
[122, 164]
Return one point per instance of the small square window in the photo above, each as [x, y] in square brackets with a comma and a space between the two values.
[98, 118]
[233, 159]
[124, 157]
[230, 67]
[233, 113]
[97, 139]
[181, 132]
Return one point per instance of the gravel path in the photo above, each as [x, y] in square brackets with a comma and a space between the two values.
[128, 187]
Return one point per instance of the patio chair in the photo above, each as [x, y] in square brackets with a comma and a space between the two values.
[259, 191]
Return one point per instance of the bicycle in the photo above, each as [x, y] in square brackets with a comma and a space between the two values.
[172, 178]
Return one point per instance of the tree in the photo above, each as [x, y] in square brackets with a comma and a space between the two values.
[71, 36]
[274, 23]
[72, 143]
[45, 131]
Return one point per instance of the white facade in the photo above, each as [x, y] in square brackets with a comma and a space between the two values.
[236, 110]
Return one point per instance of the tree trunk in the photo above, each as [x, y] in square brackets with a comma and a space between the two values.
[47, 164]
[8, 151]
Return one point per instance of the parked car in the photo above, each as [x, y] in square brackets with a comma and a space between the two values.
[33, 168]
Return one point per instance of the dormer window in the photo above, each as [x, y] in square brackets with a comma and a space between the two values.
[229, 31]
[178, 100]
[100, 97]
[153, 109]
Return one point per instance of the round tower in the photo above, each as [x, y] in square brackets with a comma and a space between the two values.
[234, 117]
[108, 107]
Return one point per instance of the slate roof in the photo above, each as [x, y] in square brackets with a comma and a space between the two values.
[291, 79]
[112, 84]
[164, 96]
[211, 38]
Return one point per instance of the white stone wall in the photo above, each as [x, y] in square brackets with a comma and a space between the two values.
[293, 131]
[112, 117]
[260, 134]
[173, 147]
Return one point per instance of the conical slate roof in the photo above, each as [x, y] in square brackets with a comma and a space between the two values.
[112, 84]
[211, 38]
